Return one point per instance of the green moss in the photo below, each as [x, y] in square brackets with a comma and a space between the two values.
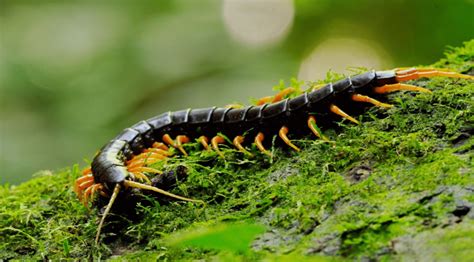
[402, 179]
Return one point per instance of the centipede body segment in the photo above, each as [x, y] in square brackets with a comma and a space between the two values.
[125, 161]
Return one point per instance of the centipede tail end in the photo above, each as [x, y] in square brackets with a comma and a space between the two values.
[404, 75]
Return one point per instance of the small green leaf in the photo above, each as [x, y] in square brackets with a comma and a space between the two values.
[225, 237]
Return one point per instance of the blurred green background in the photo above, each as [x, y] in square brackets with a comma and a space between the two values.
[75, 73]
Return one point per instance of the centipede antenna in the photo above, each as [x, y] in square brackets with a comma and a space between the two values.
[158, 190]
[312, 125]
[215, 141]
[238, 140]
[106, 212]
[258, 141]
[399, 87]
[366, 99]
[336, 110]
[204, 142]
[283, 135]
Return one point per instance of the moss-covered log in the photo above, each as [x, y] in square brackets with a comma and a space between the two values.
[401, 185]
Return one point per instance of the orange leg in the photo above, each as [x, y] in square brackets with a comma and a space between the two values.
[366, 99]
[179, 141]
[283, 135]
[238, 140]
[258, 141]
[90, 192]
[85, 184]
[314, 128]
[204, 142]
[413, 73]
[143, 162]
[147, 155]
[152, 156]
[336, 110]
[264, 100]
[215, 141]
[87, 171]
[157, 151]
[168, 140]
[278, 97]
[81, 180]
[86, 195]
[283, 93]
[160, 146]
[84, 178]
[399, 87]
[142, 177]
[411, 70]
[144, 169]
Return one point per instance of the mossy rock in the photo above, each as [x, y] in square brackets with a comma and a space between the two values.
[400, 186]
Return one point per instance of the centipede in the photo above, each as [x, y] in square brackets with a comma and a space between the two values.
[127, 160]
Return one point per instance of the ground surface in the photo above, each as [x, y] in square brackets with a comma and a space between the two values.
[399, 186]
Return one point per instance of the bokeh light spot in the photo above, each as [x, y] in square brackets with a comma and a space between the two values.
[340, 54]
[258, 23]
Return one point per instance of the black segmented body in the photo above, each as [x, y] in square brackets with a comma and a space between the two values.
[108, 167]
